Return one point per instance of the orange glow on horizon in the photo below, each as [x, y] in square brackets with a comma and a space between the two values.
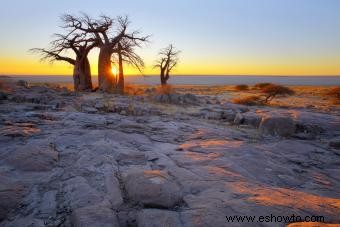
[32, 66]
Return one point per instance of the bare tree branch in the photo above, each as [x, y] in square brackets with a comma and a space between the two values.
[168, 60]
[52, 56]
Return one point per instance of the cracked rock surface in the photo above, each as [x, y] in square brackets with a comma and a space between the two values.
[94, 159]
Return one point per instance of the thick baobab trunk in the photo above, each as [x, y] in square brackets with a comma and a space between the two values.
[120, 85]
[106, 80]
[87, 76]
[82, 74]
[164, 79]
[76, 77]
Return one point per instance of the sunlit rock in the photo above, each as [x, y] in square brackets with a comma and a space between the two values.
[19, 130]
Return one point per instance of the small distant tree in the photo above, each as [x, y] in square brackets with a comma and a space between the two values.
[262, 85]
[168, 59]
[271, 91]
[241, 87]
[334, 94]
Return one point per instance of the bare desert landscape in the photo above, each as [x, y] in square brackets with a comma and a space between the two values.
[174, 113]
[188, 157]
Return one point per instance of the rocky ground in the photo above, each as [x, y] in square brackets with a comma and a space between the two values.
[94, 159]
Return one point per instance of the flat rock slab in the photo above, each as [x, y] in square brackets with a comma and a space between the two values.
[128, 157]
[113, 190]
[97, 215]
[157, 218]
[33, 157]
[11, 194]
[152, 188]
[209, 217]
[335, 144]
[78, 193]
[168, 167]
[277, 126]
[48, 206]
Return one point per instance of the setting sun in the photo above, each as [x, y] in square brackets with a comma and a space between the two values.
[114, 71]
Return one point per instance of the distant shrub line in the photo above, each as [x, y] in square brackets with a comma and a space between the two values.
[268, 91]
[334, 95]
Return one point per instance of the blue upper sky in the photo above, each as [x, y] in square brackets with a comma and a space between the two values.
[215, 36]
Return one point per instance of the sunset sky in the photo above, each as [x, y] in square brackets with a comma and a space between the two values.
[220, 37]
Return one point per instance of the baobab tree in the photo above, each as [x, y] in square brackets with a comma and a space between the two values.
[107, 42]
[168, 59]
[98, 30]
[81, 44]
[126, 54]
[123, 44]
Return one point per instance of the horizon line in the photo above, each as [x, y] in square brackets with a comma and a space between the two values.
[150, 75]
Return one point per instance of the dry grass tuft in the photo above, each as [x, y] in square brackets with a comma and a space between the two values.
[165, 90]
[4, 86]
[249, 100]
[334, 95]
[133, 90]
